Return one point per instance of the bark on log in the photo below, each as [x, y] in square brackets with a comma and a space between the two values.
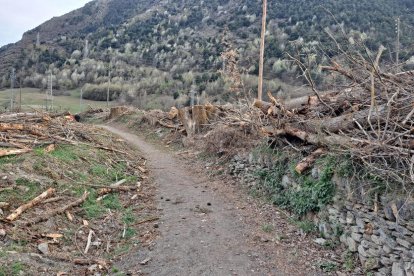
[199, 117]
[263, 106]
[332, 140]
[117, 111]
[59, 210]
[17, 116]
[101, 262]
[307, 162]
[30, 204]
[9, 126]
[344, 122]
[161, 123]
[108, 190]
[173, 113]
[211, 111]
[186, 118]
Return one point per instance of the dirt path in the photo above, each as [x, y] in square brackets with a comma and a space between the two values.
[202, 233]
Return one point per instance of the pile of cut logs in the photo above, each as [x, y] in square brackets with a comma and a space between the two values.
[22, 132]
[371, 119]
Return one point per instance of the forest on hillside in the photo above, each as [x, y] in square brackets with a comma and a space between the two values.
[161, 53]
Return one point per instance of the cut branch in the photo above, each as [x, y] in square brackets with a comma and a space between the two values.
[30, 204]
[307, 162]
[59, 210]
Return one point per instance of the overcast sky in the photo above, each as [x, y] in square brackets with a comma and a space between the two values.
[19, 16]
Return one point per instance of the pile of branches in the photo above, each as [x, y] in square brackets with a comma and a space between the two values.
[23, 132]
[200, 119]
[371, 118]
[221, 130]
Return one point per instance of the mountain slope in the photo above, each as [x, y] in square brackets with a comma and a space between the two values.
[170, 48]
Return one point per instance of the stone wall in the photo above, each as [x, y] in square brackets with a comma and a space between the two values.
[383, 246]
[382, 234]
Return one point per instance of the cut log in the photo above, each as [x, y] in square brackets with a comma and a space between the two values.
[101, 262]
[32, 128]
[30, 204]
[107, 190]
[173, 113]
[58, 211]
[265, 107]
[117, 111]
[307, 162]
[7, 127]
[332, 140]
[277, 104]
[211, 111]
[344, 122]
[8, 152]
[50, 148]
[161, 123]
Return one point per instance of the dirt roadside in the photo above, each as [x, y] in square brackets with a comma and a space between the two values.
[207, 231]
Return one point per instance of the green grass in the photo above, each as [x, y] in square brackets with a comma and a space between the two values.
[98, 170]
[112, 202]
[328, 266]
[349, 261]
[268, 228]
[306, 226]
[65, 153]
[130, 232]
[35, 98]
[128, 216]
[112, 174]
[14, 269]
[91, 207]
[10, 160]
[310, 195]
[28, 191]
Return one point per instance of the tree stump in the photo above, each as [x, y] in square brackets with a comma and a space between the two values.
[117, 111]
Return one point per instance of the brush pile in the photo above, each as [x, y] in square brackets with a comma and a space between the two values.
[371, 119]
[75, 194]
[221, 130]
[22, 132]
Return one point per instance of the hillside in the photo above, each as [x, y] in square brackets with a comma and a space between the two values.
[159, 52]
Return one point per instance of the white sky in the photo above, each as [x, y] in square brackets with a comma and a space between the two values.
[19, 16]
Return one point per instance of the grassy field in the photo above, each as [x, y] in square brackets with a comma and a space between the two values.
[35, 98]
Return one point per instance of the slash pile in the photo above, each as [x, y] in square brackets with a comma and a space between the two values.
[74, 198]
[370, 119]
[22, 132]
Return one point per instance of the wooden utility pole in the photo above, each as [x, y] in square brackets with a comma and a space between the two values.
[80, 101]
[20, 96]
[51, 90]
[262, 46]
[12, 78]
[397, 44]
[107, 90]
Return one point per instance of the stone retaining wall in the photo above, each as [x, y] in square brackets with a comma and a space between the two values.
[384, 243]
